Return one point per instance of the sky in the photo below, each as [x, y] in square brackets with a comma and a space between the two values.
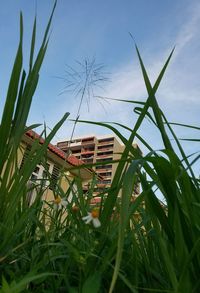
[100, 30]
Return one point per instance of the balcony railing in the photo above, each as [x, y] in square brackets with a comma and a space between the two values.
[103, 170]
[104, 174]
[101, 185]
[73, 144]
[87, 143]
[87, 161]
[104, 149]
[103, 160]
[85, 152]
[104, 167]
[105, 143]
[104, 156]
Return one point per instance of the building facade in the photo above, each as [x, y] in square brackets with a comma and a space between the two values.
[99, 150]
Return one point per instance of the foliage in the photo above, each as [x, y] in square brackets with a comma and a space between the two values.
[141, 246]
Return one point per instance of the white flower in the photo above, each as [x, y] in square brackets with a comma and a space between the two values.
[93, 217]
[59, 203]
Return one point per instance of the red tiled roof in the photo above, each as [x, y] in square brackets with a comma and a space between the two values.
[75, 161]
[71, 159]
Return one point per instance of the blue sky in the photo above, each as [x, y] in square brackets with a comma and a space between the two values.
[87, 28]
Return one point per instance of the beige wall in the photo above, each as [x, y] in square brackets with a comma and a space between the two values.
[52, 160]
[117, 151]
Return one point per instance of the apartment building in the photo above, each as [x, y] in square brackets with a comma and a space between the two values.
[92, 149]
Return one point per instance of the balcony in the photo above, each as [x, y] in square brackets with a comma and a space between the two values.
[62, 145]
[87, 152]
[74, 144]
[107, 181]
[87, 156]
[106, 139]
[106, 143]
[104, 167]
[76, 152]
[100, 171]
[87, 160]
[101, 185]
[103, 156]
[105, 174]
[104, 160]
[105, 150]
[89, 140]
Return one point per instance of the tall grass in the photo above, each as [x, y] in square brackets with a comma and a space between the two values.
[141, 246]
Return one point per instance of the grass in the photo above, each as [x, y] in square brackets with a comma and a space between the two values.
[141, 246]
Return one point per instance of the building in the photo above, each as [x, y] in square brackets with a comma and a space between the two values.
[57, 169]
[102, 150]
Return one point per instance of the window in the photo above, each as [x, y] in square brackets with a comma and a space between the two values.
[40, 174]
[54, 177]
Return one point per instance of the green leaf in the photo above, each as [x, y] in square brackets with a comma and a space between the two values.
[32, 45]
[153, 102]
[92, 284]
[129, 181]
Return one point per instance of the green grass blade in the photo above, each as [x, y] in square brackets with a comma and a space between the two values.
[32, 46]
[127, 191]
[6, 122]
[151, 92]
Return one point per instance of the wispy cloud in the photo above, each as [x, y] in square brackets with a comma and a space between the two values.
[190, 29]
[181, 83]
[178, 91]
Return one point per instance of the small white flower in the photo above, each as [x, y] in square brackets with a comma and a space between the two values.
[59, 203]
[93, 217]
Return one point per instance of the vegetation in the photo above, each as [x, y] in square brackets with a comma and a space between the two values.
[157, 251]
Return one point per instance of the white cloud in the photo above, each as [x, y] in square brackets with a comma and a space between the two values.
[178, 91]
[190, 29]
[181, 81]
